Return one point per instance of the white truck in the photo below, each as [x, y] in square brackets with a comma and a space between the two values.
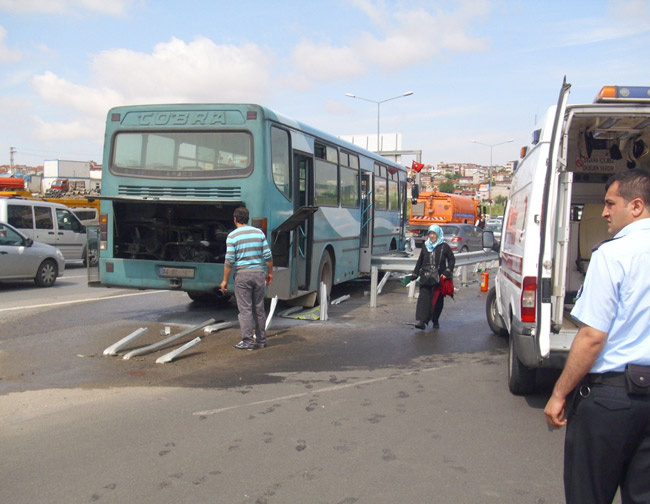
[553, 221]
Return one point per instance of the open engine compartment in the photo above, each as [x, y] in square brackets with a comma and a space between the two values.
[170, 231]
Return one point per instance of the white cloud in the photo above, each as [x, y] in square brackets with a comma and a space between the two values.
[178, 71]
[80, 128]
[324, 63]
[68, 96]
[108, 7]
[408, 38]
[623, 19]
[175, 71]
[7, 55]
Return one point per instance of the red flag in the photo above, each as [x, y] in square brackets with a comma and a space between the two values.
[415, 166]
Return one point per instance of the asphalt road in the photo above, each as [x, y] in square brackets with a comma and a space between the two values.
[363, 408]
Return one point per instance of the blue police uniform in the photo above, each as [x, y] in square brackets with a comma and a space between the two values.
[608, 431]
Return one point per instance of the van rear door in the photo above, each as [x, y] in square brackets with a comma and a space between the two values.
[552, 214]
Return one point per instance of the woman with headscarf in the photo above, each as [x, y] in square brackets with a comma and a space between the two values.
[430, 300]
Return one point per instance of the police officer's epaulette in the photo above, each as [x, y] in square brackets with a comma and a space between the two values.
[604, 241]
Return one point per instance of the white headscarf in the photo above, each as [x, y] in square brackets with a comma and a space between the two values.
[441, 237]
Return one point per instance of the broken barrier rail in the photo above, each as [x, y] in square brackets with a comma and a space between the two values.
[406, 264]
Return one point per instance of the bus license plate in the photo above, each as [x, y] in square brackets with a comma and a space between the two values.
[168, 272]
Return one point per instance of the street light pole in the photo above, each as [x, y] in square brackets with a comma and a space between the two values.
[378, 102]
[491, 146]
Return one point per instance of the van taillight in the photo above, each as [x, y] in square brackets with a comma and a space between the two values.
[528, 299]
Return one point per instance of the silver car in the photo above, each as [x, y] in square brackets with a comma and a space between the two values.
[21, 258]
[463, 237]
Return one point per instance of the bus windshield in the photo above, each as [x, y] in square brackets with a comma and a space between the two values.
[187, 154]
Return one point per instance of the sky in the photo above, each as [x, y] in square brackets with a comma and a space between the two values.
[483, 70]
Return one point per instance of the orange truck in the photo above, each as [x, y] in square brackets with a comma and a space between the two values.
[441, 208]
[13, 186]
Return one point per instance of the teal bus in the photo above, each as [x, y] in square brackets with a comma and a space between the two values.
[172, 176]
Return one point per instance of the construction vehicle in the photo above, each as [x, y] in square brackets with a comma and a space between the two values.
[433, 207]
[13, 186]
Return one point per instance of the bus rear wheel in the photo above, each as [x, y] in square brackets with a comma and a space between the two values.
[209, 298]
[325, 275]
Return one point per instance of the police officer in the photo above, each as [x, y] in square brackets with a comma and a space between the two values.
[607, 443]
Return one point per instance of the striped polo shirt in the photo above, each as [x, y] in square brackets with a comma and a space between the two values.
[247, 248]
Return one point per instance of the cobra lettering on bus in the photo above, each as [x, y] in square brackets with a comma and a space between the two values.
[181, 118]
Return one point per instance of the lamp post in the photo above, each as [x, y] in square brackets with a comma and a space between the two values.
[379, 102]
[491, 146]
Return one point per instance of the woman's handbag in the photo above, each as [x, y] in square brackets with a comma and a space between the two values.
[429, 275]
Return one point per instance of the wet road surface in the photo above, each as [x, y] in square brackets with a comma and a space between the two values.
[363, 408]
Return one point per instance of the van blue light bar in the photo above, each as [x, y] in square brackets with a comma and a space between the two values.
[640, 94]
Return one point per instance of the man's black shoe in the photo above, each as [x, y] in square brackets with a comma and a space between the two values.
[244, 346]
[436, 325]
[260, 345]
[420, 325]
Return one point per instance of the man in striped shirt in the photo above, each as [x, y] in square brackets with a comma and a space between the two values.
[247, 251]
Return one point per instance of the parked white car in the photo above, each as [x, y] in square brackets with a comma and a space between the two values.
[21, 258]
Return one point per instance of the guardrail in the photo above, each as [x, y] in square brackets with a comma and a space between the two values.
[405, 264]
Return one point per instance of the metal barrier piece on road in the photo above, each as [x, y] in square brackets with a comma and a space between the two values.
[156, 346]
[116, 347]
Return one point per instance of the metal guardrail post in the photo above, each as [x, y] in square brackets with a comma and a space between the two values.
[374, 273]
[412, 289]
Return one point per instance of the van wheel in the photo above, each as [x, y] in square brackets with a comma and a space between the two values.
[494, 319]
[325, 275]
[46, 274]
[521, 379]
[464, 249]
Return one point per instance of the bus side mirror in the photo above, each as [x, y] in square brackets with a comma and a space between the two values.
[415, 192]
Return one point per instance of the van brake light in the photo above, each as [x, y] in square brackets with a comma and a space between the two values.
[528, 299]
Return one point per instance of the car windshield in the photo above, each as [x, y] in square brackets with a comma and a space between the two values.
[493, 227]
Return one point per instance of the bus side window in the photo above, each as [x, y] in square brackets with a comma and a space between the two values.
[280, 161]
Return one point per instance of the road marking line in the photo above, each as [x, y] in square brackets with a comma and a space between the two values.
[333, 388]
[78, 301]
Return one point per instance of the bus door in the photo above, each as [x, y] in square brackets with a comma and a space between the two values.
[367, 209]
[303, 233]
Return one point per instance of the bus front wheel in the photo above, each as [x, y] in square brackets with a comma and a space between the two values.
[325, 275]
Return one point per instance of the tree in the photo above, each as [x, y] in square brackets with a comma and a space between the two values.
[447, 187]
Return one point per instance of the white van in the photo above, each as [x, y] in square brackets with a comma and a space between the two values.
[553, 221]
[46, 222]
